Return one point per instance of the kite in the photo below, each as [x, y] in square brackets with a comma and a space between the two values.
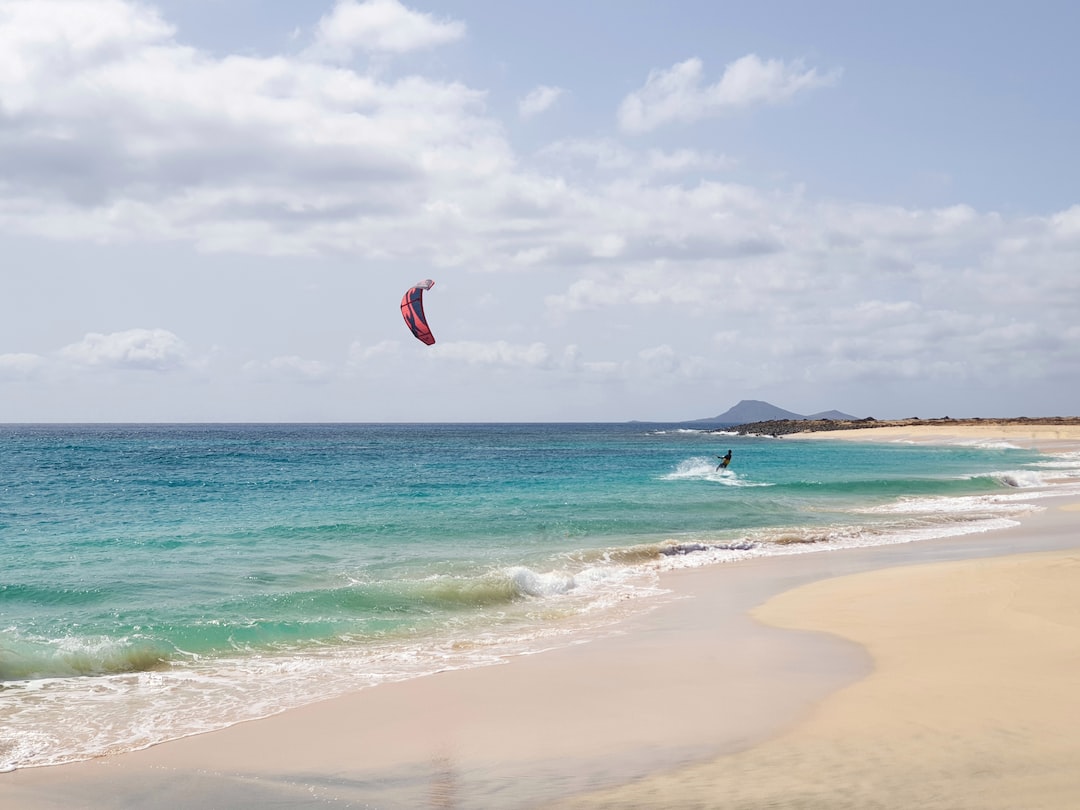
[412, 310]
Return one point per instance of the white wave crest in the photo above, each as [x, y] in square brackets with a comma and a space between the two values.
[965, 505]
[1021, 479]
[531, 583]
[1064, 465]
[677, 431]
[702, 468]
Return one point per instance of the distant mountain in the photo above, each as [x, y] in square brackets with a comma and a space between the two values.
[754, 410]
[839, 416]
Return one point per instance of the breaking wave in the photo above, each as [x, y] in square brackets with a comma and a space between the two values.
[701, 468]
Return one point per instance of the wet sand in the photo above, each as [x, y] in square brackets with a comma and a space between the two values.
[972, 703]
[845, 679]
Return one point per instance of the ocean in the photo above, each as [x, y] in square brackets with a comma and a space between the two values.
[158, 581]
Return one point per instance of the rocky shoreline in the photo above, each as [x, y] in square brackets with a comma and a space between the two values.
[782, 427]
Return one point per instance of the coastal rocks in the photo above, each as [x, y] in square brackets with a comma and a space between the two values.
[782, 427]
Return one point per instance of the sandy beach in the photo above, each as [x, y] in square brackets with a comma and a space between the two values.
[1045, 437]
[849, 679]
[972, 702]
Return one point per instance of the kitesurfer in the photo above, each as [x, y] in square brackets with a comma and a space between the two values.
[724, 461]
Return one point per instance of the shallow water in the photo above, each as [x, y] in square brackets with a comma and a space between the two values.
[160, 580]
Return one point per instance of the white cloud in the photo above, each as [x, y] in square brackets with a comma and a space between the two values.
[539, 100]
[114, 131]
[306, 369]
[606, 153]
[497, 353]
[290, 367]
[608, 246]
[844, 292]
[156, 141]
[86, 32]
[379, 26]
[1066, 224]
[688, 160]
[609, 155]
[665, 361]
[20, 365]
[677, 94]
[141, 349]
[360, 353]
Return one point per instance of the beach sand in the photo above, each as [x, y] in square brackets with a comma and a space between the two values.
[1045, 437]
[846, 679]
[973, 701]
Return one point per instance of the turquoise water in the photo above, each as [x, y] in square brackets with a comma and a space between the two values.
[159, 580]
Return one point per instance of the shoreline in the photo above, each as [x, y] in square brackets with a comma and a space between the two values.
[695, 681]
[971, 698]
[1046, 437]
[971, 701]
[985, 426]
[525, 733]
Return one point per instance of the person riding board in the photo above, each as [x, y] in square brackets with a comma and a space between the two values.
[724, 461]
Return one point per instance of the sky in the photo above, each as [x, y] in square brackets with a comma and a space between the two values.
[632, 209]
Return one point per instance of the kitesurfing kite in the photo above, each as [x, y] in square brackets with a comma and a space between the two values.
[412, 310]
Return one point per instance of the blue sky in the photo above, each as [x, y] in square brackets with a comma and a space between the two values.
[209, 209]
